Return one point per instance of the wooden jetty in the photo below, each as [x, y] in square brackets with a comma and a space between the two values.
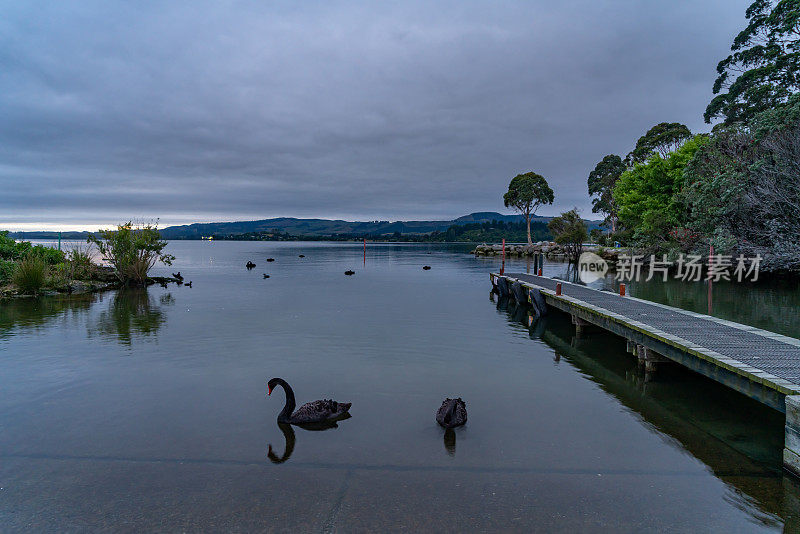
[760, 364]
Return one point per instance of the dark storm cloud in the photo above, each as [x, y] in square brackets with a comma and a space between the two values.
[193, 111]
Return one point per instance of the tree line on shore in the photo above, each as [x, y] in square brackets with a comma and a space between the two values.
[737, 188]
[734, 191]
[478, 232]
[130, 251]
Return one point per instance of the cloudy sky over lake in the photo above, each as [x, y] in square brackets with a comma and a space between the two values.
[194, 111]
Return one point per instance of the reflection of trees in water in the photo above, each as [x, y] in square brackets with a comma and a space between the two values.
[132, 311]
[33, 314]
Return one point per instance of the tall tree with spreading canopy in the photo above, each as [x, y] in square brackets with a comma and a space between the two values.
[764, 69]
[661, 139]
[601, 184]
[526, 193]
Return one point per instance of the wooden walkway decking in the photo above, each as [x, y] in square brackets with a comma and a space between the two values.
[760, 364]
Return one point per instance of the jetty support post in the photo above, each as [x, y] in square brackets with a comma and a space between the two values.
[649, 359]
[791, 445]
[582, 327]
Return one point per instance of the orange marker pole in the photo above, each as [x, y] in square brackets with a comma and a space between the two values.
[558, 289]
[622, 290]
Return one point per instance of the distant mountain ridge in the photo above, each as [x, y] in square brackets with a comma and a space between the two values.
[309, 227]
[326, 227]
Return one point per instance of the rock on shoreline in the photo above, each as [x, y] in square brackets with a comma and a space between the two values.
[550, 249]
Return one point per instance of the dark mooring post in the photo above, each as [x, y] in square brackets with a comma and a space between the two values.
[791, 444]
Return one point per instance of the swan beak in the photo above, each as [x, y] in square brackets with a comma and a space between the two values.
[269, 391]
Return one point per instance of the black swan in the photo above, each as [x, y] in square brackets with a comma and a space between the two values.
[188, 284]
[349, 273]
[316, 412]
[177, 276]
[266, 275]
[270, 259]
[426, 268]
[301, 256]
[250, 264]
[452, 413]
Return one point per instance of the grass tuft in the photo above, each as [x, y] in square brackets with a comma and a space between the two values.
[30, 273]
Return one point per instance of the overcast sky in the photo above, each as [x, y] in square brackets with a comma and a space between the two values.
[194, 111]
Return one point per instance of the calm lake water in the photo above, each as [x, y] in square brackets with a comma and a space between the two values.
[147, 410]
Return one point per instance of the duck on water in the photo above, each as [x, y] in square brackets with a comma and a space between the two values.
[311, 413]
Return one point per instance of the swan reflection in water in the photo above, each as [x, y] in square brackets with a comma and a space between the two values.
[289, 438]
[450, 441]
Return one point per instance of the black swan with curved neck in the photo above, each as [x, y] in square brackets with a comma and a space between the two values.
[316, 412]
[452, 413]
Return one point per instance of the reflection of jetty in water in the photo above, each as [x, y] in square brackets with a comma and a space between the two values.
[711, 422]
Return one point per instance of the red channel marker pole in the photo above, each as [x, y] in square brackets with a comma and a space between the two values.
[710, 255]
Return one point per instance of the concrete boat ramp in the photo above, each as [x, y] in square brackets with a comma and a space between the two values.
[760, 364]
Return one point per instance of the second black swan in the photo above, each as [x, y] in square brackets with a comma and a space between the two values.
[452, 413]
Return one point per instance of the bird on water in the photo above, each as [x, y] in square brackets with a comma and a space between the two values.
[452, 413]
[250, 264]
[349, 273]
[188, 284]
[266, 275]
[177, 276]
[315, 412]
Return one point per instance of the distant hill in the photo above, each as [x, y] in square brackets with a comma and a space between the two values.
[72, 236]
[325, 227]
[310, 227]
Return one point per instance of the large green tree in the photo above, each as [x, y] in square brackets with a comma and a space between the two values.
[741, 190]
[526, 193]
[661, 139]
[646, 194]
[601, 184]
[764, 69]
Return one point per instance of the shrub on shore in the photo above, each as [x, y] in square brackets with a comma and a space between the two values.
[11, 250]
[30, 274]
[79, 263]
[132, 250]
[6, 270]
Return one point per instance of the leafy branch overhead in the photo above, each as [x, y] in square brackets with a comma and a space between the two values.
[763, 70]
[661, 139]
